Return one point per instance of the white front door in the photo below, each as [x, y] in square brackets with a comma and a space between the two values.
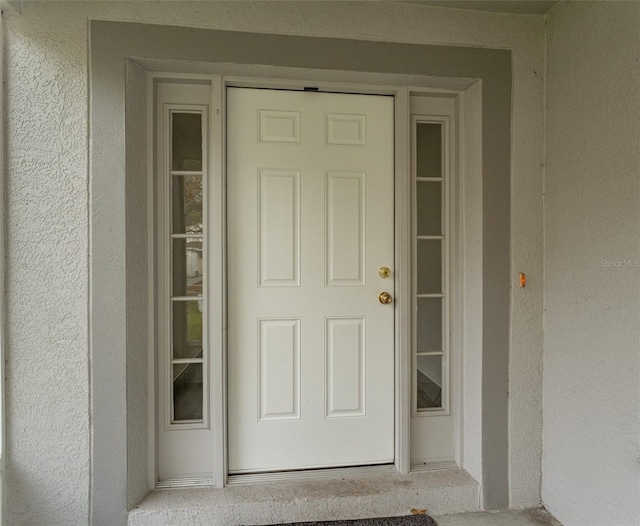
[310, 224]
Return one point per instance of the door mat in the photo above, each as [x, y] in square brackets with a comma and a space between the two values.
[410, 520]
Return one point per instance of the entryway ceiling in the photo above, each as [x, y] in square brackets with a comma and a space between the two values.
[521, 7]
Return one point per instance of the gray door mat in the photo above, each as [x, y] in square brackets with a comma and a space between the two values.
[409, 520]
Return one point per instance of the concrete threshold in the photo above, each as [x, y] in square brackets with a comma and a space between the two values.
[388, 495]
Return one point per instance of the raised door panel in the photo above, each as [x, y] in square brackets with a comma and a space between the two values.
[279, 369]
[345, 228]
[345, 362]
[279, 238]
[342, 129]
[279, 126]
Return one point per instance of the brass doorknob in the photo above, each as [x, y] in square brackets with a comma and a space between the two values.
[384, 272]
[385, 298]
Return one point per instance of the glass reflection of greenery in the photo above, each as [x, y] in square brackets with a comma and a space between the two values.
[194, 322]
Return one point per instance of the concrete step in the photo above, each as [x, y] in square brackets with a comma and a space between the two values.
[345, 497]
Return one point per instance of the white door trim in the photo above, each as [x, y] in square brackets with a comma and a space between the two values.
[218, 281]
[217, 260]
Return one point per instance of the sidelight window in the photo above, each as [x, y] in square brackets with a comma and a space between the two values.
[431, 262]
[186, 360]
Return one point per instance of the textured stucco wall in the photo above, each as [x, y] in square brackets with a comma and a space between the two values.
[47, 206]
[46, 213]
[591, 470]
[525, 357]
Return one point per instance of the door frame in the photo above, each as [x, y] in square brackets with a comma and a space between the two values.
[217, 269]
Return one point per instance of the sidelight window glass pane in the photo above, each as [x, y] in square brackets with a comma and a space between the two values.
[187, 392]
[187, 329]
[429, 324]
[429, 208]
[429, 149]
[431, 261]
[181, 268]
[187, 266]
[430, 382]
[186, 204]
[186, 143]
[429, 265]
